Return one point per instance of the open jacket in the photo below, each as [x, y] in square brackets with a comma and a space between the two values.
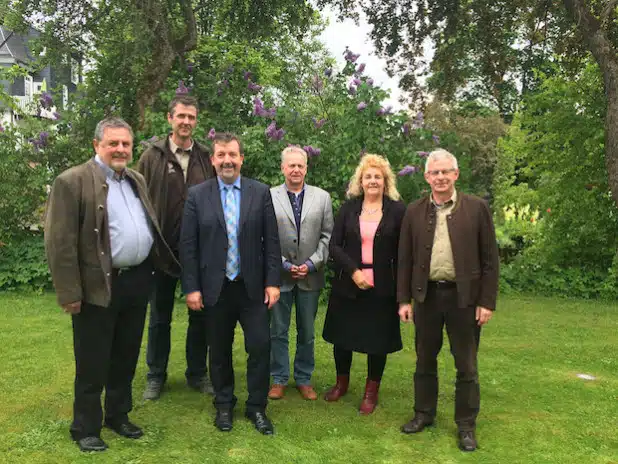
[345, 248]
[77, 240]
[475, 252]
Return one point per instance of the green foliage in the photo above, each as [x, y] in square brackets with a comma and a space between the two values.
[23, 264]
[553, 161]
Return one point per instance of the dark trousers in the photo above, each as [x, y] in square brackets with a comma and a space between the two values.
[159, 327]
[343, 362]
[234, 306]
[440, 309]
[107, 343]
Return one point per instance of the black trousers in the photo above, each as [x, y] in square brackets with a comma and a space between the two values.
[107, 343]
[440, 309]
[158, 352]
[235, 306]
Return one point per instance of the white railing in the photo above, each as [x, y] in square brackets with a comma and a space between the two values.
[27, 106]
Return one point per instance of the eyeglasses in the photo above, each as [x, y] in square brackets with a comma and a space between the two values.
[435, 172]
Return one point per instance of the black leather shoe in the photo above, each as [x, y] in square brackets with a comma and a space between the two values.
[223, 420]
[202, 385]
[261, 422]
[125, 429]
[87, 444]
[417, 424]
[467, 440]
[153, 389]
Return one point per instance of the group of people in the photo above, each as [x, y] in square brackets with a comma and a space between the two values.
[117, 238]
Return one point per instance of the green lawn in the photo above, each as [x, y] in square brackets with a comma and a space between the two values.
[534, 408]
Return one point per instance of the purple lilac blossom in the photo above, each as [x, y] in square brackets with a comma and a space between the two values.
[407, 170]
[318, 123]
[190, 67]
[328, 72]
[422, 154]
[254, 87]
[406, 128]
[361, 106]
[312, 151]
[361, 68]
[247, 75]
[46, 100]
[182, 88]
[211, 133]
[352, 90]
[436, 139]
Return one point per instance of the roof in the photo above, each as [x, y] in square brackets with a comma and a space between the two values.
[17, 44]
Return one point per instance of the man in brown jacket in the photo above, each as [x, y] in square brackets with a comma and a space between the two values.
[170, 167]
[448, 264]
[102, 241]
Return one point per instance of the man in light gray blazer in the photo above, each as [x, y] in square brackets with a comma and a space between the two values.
[305, 221]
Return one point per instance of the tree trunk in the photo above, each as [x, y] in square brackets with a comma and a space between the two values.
[605, 55]
[165, 49]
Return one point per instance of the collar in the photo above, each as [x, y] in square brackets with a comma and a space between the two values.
[109, 172]
[285, 186]
[223, 185]
[447, 203]
[174, 148]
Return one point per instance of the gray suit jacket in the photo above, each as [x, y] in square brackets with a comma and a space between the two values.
[315, 229]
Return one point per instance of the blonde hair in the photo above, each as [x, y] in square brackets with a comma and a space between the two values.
[355, 188]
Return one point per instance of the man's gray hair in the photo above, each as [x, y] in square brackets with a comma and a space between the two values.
[439, 155]
[113, 122]
[293, 149]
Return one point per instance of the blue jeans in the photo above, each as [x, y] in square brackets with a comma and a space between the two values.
[306, 309]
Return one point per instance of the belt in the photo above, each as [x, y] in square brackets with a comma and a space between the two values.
[366, 266]
[118, 271]
[442, 284]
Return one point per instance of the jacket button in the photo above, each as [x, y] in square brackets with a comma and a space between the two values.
[102, 253]
[107, 274]
[427, 247]
[422, 266]
[419, 289]
[96, 231]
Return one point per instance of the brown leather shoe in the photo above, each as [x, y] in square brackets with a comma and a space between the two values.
[307, 392]
[339, 389]
[370, 399]
[277, 391]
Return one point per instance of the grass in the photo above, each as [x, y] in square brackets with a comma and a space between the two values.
[534, 407]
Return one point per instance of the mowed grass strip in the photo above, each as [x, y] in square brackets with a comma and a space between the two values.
[534, 407]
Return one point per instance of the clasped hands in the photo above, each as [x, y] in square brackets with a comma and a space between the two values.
[299, 272]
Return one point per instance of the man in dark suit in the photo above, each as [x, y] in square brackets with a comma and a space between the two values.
[170, 167]
[102, 241]
[448, 264]
[231, 259]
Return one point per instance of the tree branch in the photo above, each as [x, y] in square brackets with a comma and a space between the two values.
[607, 11]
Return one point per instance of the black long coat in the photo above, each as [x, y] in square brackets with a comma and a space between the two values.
[364, 320]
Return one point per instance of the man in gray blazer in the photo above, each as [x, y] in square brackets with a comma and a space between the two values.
[305, 221]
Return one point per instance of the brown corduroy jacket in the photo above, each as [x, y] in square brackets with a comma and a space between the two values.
[475, 251]
[77, 240]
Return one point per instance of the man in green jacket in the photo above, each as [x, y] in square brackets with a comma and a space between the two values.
[170, 167]
[102, 242]
[448, 264]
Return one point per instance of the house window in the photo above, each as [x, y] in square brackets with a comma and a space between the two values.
[74, 71]
[28, 87]
[65, 97]
[38, 87]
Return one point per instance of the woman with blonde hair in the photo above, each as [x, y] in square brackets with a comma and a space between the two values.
[362, 309]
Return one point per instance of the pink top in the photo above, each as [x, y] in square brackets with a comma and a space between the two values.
[368, 232]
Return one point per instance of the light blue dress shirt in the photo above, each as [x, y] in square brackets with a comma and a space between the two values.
[222, 192]
[130, 231]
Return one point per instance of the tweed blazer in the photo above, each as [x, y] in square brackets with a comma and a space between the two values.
[316, 227]
[77, 242]
[475, 251]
